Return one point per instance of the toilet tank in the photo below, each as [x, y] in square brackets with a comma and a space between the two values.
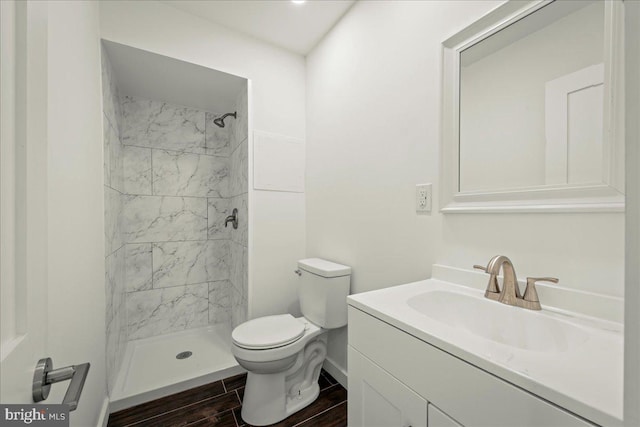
[324, 287]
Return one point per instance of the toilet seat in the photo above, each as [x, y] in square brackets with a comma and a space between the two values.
[268, 332]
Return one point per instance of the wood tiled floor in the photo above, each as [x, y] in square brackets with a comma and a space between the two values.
[219, 404]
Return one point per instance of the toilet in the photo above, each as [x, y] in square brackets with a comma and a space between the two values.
[284, 354]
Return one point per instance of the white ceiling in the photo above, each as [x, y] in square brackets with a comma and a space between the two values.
[160, 78]
[295, 27]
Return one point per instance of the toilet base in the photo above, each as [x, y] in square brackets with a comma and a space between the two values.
[261, 406]
[269, 398]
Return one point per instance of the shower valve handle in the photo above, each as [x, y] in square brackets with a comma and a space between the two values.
[233, 219]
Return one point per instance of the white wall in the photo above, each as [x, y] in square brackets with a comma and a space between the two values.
[276, 103]
[76, 295]
[373, 123]
[632, 288]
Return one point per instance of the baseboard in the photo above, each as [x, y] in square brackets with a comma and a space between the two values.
[103, 419]
[336, 372]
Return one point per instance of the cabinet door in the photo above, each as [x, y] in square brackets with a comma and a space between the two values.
[377, 399]
[437, 418]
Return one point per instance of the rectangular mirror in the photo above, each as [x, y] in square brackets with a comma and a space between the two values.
[532, 115]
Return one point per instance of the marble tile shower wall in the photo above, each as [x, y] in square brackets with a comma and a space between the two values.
[177, 195]
[116, 326]
[238, 192]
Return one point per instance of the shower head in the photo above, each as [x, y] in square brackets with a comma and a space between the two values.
[220, 120]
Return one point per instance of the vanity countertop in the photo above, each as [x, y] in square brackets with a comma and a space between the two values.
[586, 378]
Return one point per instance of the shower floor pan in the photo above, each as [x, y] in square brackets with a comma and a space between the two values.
[150, 368]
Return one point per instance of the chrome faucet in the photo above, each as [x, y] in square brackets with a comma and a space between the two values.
[510, 292]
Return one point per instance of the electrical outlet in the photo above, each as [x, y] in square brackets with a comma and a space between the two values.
[424, 197]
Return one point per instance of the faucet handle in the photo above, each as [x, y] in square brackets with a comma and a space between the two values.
[543, 279]
[530, 293]
[492, 287]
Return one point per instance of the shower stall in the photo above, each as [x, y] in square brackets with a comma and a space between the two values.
[175, 171]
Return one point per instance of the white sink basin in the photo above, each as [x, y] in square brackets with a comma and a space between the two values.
[571, 360]
[516, 327]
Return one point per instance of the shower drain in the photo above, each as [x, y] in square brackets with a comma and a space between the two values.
[183, 355]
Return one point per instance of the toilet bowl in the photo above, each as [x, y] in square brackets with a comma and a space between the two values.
[283, 354]
[281, 378]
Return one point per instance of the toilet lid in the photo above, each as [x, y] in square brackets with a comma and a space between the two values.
[268, 332]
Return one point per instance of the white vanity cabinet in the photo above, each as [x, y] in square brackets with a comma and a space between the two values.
[437, 418]
[377, 399]
[396, 379]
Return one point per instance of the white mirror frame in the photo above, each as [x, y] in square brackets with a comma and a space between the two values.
[605, 197]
